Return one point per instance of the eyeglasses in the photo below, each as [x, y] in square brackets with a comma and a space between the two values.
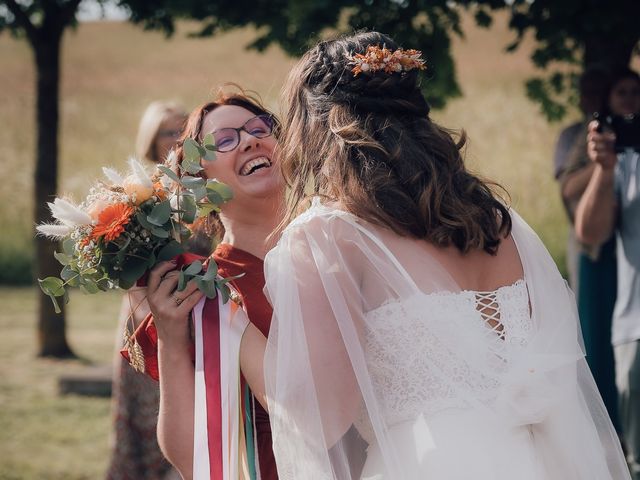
[227, 139]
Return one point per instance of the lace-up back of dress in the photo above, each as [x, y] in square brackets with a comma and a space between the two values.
[411, 346]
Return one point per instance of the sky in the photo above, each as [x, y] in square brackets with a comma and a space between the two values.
[91, 10]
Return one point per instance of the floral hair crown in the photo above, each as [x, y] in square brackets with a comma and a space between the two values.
[378, 59]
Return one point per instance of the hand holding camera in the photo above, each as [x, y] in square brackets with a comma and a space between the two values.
[601, 145]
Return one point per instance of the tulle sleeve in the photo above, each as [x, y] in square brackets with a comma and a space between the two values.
[322, 277]
[326, 363]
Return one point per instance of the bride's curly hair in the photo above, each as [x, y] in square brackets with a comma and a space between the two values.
[367, 142]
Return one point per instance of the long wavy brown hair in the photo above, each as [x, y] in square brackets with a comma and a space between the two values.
[237, 96]
[367, 143]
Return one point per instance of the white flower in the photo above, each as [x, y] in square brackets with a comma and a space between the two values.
[68, 213]
[139, 172]
[365, 67]
[54, 231]
[112, 175]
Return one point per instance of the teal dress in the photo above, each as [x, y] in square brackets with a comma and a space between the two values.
[596, 300]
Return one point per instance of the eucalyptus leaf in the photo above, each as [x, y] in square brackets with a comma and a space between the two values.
[68, 246]
[160, 213]
[194, 268]
[215, 198]
[170, 250]
[222, 188]
[205, 209]
[89, 287]
[169, 173]
[182, 281]
[52, 286]
[201, 150]
[210, 154]
[132, 270]
[209, 142]
[200, 193]
[189, 209]
[207, 287]
[225, 293]
[63, 258]
[159, 232]
[142, 220]
[212, 271]
[191, 150]
[191, 166]
[68, 273]
[193, 182]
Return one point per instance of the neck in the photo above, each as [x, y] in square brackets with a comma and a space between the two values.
[247, 227]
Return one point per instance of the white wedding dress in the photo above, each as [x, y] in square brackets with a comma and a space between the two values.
[380, 367]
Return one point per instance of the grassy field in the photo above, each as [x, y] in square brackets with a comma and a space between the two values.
[111, 71]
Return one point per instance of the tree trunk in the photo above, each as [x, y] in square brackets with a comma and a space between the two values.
[51, 326]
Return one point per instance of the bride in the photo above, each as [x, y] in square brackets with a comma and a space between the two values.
[421, 330]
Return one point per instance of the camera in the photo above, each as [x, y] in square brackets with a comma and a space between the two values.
[626, 128]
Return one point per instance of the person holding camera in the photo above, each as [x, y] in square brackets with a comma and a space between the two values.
[592, 272]
[611, 203]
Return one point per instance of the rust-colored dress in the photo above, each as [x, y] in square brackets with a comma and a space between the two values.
[231, 261]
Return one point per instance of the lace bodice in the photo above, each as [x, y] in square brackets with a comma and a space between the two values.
[410, 348]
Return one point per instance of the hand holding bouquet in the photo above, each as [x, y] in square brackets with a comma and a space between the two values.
[127, 224]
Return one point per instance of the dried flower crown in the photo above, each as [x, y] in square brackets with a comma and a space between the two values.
[378, 59]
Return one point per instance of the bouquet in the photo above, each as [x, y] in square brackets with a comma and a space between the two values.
[129, 223]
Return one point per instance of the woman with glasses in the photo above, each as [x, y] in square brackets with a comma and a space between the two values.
[135, 452]
[245, 138]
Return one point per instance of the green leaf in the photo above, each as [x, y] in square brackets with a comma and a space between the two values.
[215, 198]
[159, 232]
[212, 270]
[132, 270]
[182, 281]
[225, 293]
[201, 150]
[160, 213]
[189, 209]
[170, 250]
[63, 258]
[207, 287]
[89, 287]
[142, 220]
[209, 142]
[205, 209]
[52, 286]
[169, 173]
[200, 193]
[209, 155]
[193, 182]
[221, 188]
[191, 166]
[194, 268]
[68, 246]
[68, 273]
[191, 150]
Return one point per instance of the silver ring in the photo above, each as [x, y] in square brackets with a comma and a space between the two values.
[176, 299]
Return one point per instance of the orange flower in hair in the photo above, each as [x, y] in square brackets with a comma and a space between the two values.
[377, 59]
[112, 221]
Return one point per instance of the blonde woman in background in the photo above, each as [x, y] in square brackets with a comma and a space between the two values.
[135, 397]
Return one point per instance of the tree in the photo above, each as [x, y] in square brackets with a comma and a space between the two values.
[43, 23]
[569, 34]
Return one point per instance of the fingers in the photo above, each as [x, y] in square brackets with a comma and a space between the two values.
[189, 302]
[156, 274]
[168, 284]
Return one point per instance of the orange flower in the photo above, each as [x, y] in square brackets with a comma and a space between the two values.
[159, 191]
[111, 221]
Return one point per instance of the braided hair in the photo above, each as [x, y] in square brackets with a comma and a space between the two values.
[367, 143]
